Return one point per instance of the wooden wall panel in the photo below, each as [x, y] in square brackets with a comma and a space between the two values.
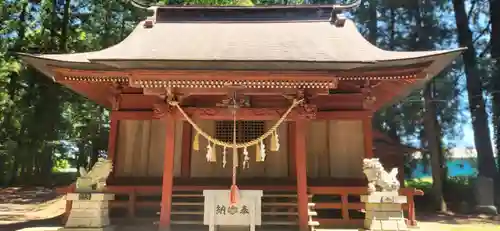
[317, 149]
[276, 164]
[334, 148]
[125, 147]
[140, 148]
[346, 147]
[157, 148]
[199, 165]
[142, 155]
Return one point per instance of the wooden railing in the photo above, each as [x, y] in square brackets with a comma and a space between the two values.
[335, 198]
[338, 199]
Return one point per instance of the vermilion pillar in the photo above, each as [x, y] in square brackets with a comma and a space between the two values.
[368, 133]
[299, 127]
[113, 135]
[291, 150]
[168, 180]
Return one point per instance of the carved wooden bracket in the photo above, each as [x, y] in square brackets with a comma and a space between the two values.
[306, 110]
[115, 102]
[368, 98]
[115, 98]
[166, 94]
[161, 110]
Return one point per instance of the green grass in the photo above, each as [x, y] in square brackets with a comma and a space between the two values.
[477, 228]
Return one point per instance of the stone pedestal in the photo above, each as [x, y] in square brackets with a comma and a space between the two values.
[384, 211]
[89, 212]
[485, 196]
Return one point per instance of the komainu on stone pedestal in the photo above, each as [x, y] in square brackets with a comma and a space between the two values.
[378, 177]
[383, 205]
[95, 179]
[90, 205]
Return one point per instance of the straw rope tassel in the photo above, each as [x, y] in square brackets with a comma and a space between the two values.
[258, 155]
[262, 151]
[196, 142]
[213, 157]
[275, 146]
[209, 152]
[224, 157]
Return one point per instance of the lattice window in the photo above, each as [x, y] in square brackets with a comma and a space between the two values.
[245, 130]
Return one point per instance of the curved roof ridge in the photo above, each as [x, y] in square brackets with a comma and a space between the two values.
[299, 45]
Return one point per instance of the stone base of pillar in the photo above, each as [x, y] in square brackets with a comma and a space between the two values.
[89, 212]
[384, 211]
[485, 196]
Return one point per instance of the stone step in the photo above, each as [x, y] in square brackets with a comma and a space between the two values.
[313, 223]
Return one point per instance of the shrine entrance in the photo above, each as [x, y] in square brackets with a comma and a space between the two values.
[236, 139]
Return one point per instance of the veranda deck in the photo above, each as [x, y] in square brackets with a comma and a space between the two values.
[180, 228]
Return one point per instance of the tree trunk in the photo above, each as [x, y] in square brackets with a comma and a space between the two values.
[81, 156]
[495, 55]
[65, 24]
[432, 129]
[372, 23]
[433, 137]
[477, 106]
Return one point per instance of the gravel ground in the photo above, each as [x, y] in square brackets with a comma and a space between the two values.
[37, 209]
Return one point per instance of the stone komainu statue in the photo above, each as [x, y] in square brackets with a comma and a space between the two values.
[377, 176]
[95, 179]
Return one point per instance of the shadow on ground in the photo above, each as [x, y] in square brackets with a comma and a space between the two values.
[20, 196]
[51, 222]
[459, 219]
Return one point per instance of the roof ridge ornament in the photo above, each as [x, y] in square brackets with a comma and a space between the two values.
[152, 8]
[338, 18]
[151, 20]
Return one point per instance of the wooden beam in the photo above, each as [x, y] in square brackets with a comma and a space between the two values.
[225, 91]
[301, 168]
[263, 114]
[231, 75]
[186, 150]
[243, 114]
[134, 115]
[168, 178]
[138, 101]
[257, 99]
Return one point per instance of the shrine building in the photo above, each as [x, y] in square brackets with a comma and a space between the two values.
[299, 83]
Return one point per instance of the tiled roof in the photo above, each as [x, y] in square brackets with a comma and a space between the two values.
[233, 38]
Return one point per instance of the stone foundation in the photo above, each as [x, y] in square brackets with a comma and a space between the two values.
[89, 212]
[384, 211]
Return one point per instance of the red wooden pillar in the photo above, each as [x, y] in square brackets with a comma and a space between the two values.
[301, 170]
[368, 133]
[292, 173]
[168, 180]
[186, 150]
[113, 136]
